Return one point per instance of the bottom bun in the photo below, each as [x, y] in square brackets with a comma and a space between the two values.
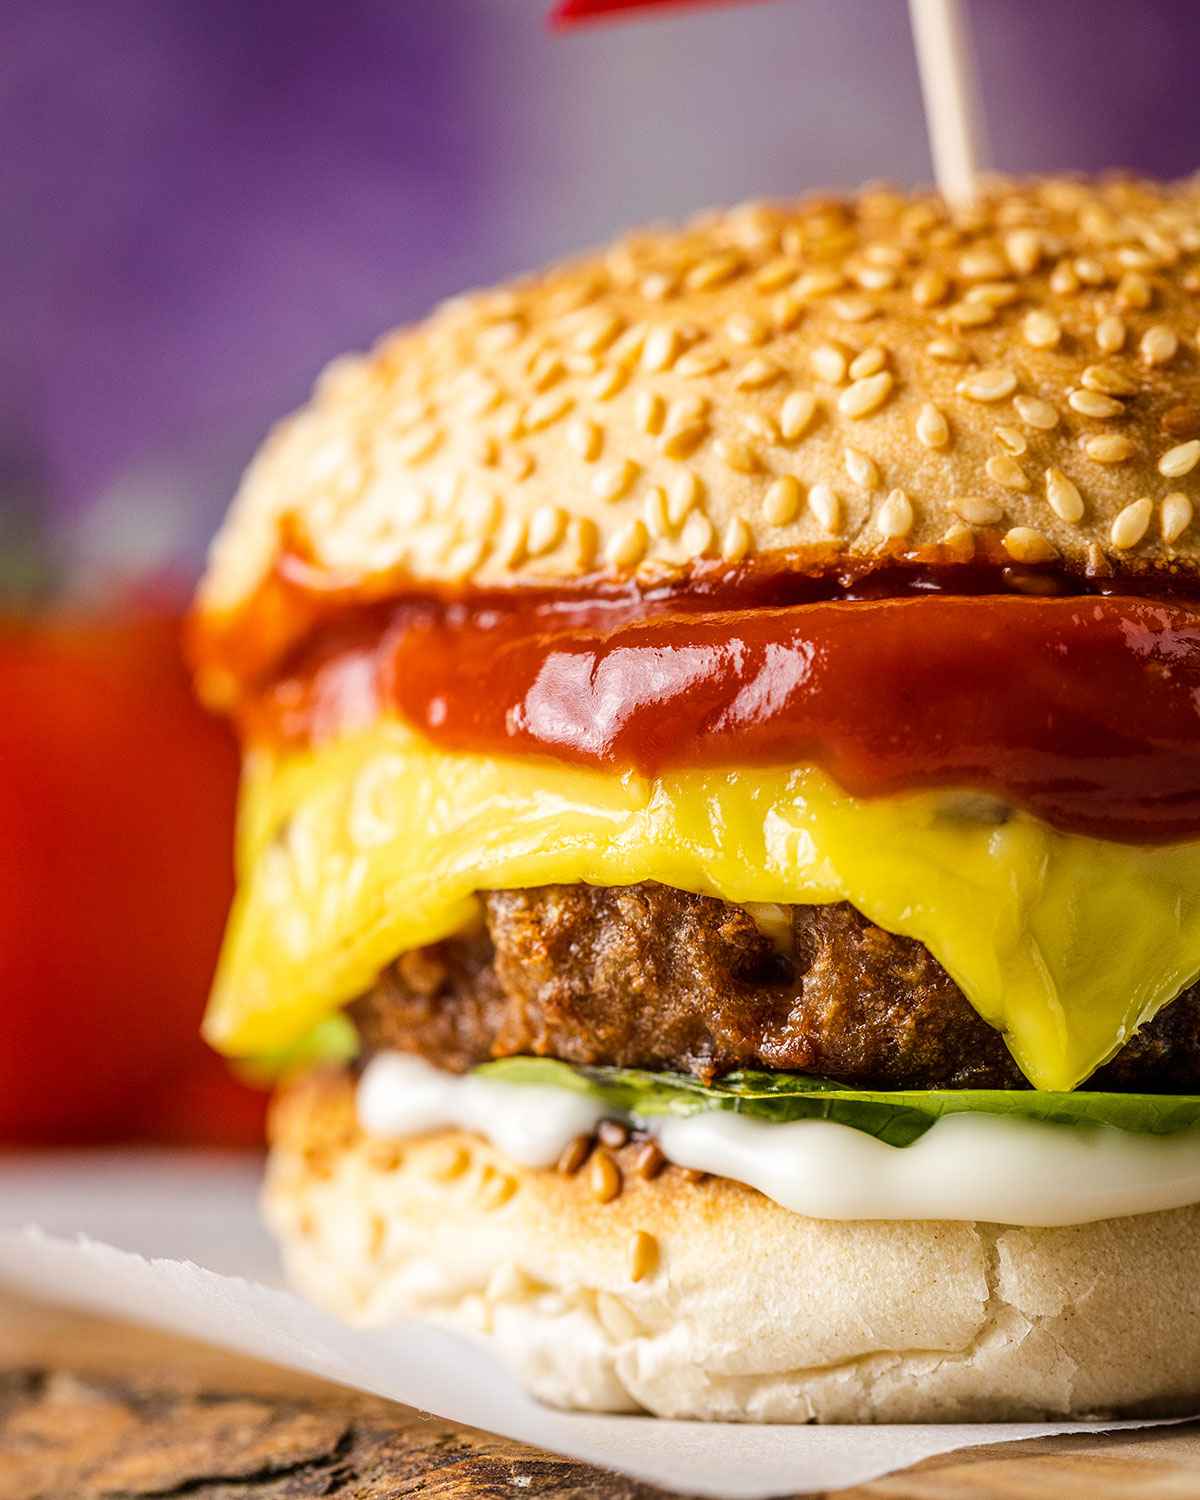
[706, 1300]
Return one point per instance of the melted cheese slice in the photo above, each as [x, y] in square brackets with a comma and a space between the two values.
[357, 851]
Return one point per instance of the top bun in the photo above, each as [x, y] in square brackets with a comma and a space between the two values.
[876, 376]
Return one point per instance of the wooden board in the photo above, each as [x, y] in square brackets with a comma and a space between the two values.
[91, 1410]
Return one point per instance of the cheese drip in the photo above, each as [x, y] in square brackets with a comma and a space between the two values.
[376, 843]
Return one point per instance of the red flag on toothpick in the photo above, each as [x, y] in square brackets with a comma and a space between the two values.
[571, 12]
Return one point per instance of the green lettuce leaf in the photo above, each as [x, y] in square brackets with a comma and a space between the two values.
[897, 1117]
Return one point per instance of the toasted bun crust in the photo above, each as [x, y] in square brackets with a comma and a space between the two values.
[688, 393]
[708, 1301]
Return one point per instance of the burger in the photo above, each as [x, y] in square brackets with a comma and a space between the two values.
[719, 857]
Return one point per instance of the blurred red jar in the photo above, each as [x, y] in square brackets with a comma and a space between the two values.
[116, 836]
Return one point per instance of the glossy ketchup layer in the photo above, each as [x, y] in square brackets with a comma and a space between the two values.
[1084, 710]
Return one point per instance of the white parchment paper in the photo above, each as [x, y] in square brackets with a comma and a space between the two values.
[175, 1242]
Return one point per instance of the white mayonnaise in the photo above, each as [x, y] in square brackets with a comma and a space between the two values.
[969, 1166]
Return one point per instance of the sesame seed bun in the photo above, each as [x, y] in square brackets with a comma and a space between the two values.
[859, 378]
[706, 1300]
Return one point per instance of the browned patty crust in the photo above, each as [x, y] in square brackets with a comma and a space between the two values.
[648, 976]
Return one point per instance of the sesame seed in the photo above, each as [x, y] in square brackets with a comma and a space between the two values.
[949, 351]
[1024, 250]
[819, 283]
[574, 1154]
[994, 293]
[1041, 329]
[511, 542]
[546, 527]
[786, 311]
[449, 1163]
[585, 438]
[643, 1255]
[546, 369]
[826, 507]
[1090, 271]
[971, 314]
[583, 537]
[385, 1156]
[771, 277]
[495, 1189]
[1013, 439]
[757, 373]
[654, 511]
[713, 271]
[1110, 334]
[1159, 344]
[678, 441]
[414, 446]
[630, 344]
[546, 410]
[737, 541]
[988, 385]
[861, 468]
[685, 410]
[761, 426]
[981, 265]
[796, 415]
[1131, 524]
[628, 544]
[660, 349]
[1182, 421]
[1108, 449]
[481, 397]
[508, 1283]
[978, 510]
[1036, 413]
[1176, 516]
[608, 382]
[1003, 469]
[649, 1161]
[829, 363]
[867, 395]
[596, 332]
[738, 456]
[875, 278]
[1063, 280]
[869, 362]
[930, 288]
[1133, 292]
[613, 480]
[1093, 404]
[1180, 460]
[933, 431]
[895, 516]
[698, 362]
[854, 309]
[499, 337]
[1063, 496]
[683, 494]
[745, 328]
[1026, 545]
[781, 503]
[649, 411]
[1110, 382]
[698, 535]
[960, 540]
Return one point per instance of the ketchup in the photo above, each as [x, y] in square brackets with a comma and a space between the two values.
[1085, 710]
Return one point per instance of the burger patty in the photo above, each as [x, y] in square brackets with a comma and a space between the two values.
[652, 977]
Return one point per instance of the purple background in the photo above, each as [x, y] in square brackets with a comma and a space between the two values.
[204, 200]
